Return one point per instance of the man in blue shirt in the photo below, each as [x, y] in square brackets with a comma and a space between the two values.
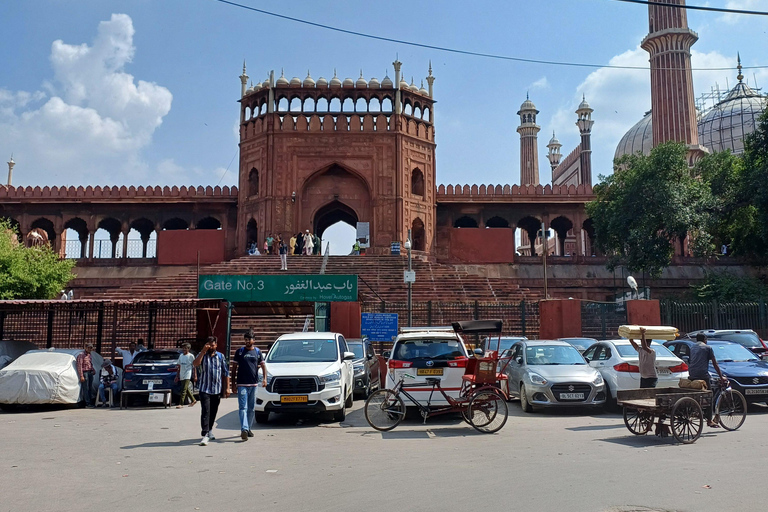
[213, 381]
[246, 365]
[698, 369]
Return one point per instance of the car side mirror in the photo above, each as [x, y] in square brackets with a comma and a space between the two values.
[386, 354]
[519, 360]
[349, 356]
[478, 352]
[586, 359]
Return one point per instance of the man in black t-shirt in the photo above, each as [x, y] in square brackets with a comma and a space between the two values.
[246, 365]
[698, 369]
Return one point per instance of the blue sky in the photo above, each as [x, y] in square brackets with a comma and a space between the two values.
[145, 92]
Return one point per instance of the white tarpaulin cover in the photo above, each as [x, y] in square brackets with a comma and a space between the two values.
[44, 377]
[10, 350]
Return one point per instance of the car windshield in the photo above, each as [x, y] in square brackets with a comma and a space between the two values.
[629, 350]
[357, 348]
[506, 343]
[552, 355]
[731, 352]
[156, 357]
[580, 343]
[303, 351]
[745, 339]
[435, 349]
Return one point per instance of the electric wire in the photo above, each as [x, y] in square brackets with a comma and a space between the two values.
[459, 51]
[696, 7]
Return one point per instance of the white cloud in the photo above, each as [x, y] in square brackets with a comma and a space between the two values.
[745, 5]
[96, 120]
[541, 83]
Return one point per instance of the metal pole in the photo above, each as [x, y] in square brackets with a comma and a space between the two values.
[410, 308]
[544, 254]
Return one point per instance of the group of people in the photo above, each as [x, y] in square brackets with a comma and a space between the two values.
[108, 376]
[698, 367]
[299, 244]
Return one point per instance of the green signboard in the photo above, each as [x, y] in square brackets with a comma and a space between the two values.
[279, 288]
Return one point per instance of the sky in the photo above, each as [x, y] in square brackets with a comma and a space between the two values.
[142, 92]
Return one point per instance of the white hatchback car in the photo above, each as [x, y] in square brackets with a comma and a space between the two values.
[428, 352]
[617, 361]
[307, 372]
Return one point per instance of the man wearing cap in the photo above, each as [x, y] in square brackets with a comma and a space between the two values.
[309, 244]
[108, 380]
[85, 373]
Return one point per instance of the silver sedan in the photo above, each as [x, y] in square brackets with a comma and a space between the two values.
[551, 373]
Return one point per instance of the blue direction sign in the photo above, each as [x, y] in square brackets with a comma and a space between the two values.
[379, 326]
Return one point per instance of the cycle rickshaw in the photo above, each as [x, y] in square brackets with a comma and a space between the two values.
[481, 400]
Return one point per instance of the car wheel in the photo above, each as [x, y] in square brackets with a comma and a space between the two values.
[610, 403]
[262, 417]
[341, 414]
[349, 401]
[524, 404]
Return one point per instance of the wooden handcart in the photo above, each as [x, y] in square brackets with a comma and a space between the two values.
[680, 411]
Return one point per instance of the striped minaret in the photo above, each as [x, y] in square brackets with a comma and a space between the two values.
[669, 44]
[529, 144]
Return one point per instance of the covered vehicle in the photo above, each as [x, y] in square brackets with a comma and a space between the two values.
[44, 377]
[12, 349]
[747, 338]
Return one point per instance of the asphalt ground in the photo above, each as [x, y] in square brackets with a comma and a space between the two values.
[149, 459]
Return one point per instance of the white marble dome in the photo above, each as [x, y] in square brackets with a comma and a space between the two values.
[732, 119]
[295, 82]
[361, 83]
[282, 81]
[322, 82]
[387, 82]
[309, 82]
[373, 83]
[638, 138]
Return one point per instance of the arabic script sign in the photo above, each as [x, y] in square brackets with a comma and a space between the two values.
[274, 288]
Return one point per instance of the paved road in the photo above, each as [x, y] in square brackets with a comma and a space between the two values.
[148, 459]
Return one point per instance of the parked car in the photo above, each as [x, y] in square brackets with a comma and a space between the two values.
[44, 377]
[747, 373]
[156, 367]
[307, 372]
[366, 367]
[10, 350]
[418, 353]
[617, 361]
[745, 337]
[552, 373]
[490, 343]
[580, 344]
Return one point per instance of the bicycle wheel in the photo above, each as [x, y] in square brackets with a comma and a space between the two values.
[637, 421]
[384, 410]
[731, 408]
[686, 420]
[487, 412]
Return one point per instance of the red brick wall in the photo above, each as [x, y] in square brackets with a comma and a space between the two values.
[559, 319]
[482, 245]
[179, 247]
[643, 312]
[345, 318]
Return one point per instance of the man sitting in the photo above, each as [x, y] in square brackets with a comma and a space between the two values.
[108, 380]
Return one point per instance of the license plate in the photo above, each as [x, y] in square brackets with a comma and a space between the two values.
[157, 397]
[429, 371]
[294, 399]
[153, 381]
[571, 396]
[756, 391]
[663, 371]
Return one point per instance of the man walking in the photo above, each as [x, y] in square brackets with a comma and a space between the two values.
[214, 381]
[698, 369]
[646, 361]
[186, 376]
[246, 365]
[86, 372]
[308, 244]
[283, 250]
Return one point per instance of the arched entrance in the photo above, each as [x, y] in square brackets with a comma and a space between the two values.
[332, 213]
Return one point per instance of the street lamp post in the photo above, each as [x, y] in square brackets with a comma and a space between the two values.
[410, 308]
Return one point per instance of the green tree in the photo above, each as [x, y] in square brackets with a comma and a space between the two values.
[30, 273]
[723, 286]
[646, 203]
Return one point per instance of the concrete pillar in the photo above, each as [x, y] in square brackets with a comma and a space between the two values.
[125, 244]
[559, 318]
[91, 236]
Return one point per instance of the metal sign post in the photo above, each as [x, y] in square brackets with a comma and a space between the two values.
[545, 250]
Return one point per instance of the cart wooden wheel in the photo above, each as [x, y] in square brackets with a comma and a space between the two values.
[487, 411]
[638, 422]
[686, 420]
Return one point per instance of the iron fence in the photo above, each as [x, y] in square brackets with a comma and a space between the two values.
[693, 316]
[519, 318]
[106, 324]
[74, 249]
[601, 320]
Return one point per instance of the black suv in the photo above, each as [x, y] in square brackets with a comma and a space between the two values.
[366, 366]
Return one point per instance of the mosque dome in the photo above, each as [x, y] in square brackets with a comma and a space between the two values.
[374, 83]
[584, 105]
[732, 119]
[387, 83]
[638, 138]
[361, 83]
[404, 85]
[348, 83]
[282, 81]
[322, 82]
[413, 87]
[335, 82]
[265, 83]
[553, 141]
[422, 90]
[295, 82]
[527, 105]
[309, 82]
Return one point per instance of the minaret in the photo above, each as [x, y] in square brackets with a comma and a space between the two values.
[669, 44]
[243, 81]
[431, 81]
[10, 170]
[585, 123]
[398, 106]
[529, 146]
[554, 154]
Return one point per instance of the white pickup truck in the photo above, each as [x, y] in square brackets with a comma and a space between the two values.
[307, 371]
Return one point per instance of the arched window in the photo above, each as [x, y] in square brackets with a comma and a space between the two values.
[465, 222]
[496, 222]
[175, 224]
[418, 235]
[282, 104]
[208, 223]
[417, 182]
[253, 182]
[295, 105]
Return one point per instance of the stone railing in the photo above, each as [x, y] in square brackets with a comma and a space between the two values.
[450, 191]
[114, 192]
